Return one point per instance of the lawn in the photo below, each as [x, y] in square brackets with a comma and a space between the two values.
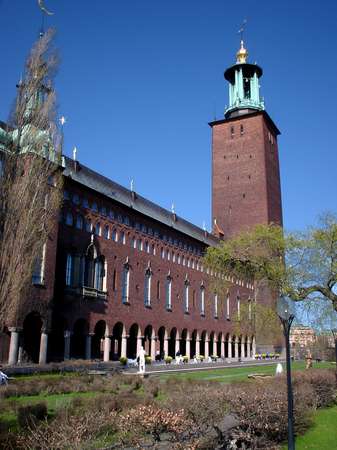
[323, 435]
[236, 374]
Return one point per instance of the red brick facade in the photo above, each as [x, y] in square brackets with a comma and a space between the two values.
[246, 180]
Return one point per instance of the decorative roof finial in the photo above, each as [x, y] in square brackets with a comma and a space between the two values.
[173, 208]
[242, 54]
[74, 153]
[132, 185]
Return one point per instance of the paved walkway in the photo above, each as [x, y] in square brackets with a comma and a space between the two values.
[169, 368]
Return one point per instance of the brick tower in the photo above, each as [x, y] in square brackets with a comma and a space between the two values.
[245, 165]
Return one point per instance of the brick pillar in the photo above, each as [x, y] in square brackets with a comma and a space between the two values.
[43, 348]
[14, 345]
[107, 348]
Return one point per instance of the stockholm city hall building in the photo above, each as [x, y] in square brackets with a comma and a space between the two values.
[121, 272]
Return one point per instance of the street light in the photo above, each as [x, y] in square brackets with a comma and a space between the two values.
[285, 311]
[334, 333]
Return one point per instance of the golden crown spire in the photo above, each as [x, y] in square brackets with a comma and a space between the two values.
[242, 54]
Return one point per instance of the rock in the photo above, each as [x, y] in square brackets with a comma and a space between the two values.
[227, 423]
[165, 437]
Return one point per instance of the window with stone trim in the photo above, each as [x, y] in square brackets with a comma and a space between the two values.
[186, 295]
[202, 300]
[228, 306]
[79, 222]
[216, 306]
[126, 283]
[106, 232]
[147, 287]
[168, 293]
[39, 266]
[69, 219]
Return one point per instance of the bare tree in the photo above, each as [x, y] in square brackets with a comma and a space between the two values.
[31, 179]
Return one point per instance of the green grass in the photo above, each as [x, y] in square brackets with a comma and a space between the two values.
[323, 435]
[236, 374]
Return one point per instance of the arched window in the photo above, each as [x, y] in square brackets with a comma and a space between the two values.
[114, 235]
[147, 247]
[85, 203]
[184, 262]
[69, 219]
[79, 222]
[178, 259]
[126, 283]
[94, 207]
[88, 225]
[147, 287]
[76, 199]
[173, 257]
[106, 232]
[98, 230]
[39, 266]
[139, 244]
[186, 295]
[168, 293]
[133, 242]
[69, 270]
[94, 270]
[216, 306]
[122, 237]
[168, 255]
[227, 306]
[153, 249]
[202, 300]
[238, 305]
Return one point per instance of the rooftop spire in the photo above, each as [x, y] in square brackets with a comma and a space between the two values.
[242, 54]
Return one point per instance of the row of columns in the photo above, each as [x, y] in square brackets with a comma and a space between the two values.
[15, 350]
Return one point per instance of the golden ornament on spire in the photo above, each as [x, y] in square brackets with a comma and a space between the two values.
[242, 54]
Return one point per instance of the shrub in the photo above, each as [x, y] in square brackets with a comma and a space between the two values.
[185, 359]
[123, 360]
[323, 383]
[31, 414]
[168, 359]
[148, 360]
[201, 358]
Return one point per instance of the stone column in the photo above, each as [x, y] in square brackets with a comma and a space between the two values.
[206, 348]
[249, 350]
[222, 348]
[166, 346]
[153, 347]
[197, 347]
[254, 347]
[188, 348]
[88, 346]
[107, 348]
[67, 336]
[236, 349]
[177, 347]
[43, 347]
[242, 349]
[139, 344]
[124, 346]
[229, 349]
[14, 345]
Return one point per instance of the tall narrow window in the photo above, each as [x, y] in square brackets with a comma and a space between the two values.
[249, 309]
[216, 306]
[126, 283]
[79, 222]
[168, 293]
[114, 235]
[98, 229]
[238, 306]
[69, 270]
[158, 290]
[147, 287]
[39, 267]
[202, 300]
[241, 129]
[99, 274]
[186, 296]
[122, 237]
[69, 219]
[106, 232]
[227, 306]
[114, 280]
[88, 225]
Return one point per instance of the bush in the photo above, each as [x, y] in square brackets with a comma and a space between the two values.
[323, 383]
[201, 358]
[31, 414]
[148, 360]
[123, 360]
[168, 359]
[185, 359]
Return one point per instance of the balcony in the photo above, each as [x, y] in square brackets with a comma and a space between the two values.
[90, 292]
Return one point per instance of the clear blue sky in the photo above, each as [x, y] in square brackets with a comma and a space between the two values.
[140, 80]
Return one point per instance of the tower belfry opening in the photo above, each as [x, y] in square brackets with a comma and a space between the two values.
[244, 87]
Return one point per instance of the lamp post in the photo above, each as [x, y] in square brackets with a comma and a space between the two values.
[286, 315]
[334, 333]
